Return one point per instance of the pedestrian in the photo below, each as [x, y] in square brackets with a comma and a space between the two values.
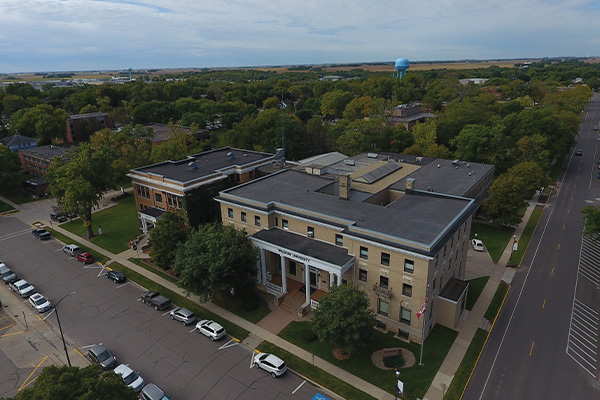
[99, 230]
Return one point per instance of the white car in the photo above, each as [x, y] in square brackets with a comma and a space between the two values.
[39, 302]
[211, 329]
[477, 245]
[72, 249]
[270, 363]
[130, 377]
[24, 288]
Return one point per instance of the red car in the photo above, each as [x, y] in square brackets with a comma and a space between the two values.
[85, 258]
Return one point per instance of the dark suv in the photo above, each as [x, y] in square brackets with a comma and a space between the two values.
[41, 234]
[58, 217]
[100, 355]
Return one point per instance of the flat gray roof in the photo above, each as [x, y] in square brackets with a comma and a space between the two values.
[208, 163]
[420, 218]
[47, 152]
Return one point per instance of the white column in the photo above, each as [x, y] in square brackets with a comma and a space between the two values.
[338, 279]
[283, 274]
[307, 281]
[144, 225]
[331, 279]
[263, 265]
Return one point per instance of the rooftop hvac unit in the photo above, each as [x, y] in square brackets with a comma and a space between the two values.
[193, 165]
[231, 155]
[310, 234]
[372, 155]
[349, 162]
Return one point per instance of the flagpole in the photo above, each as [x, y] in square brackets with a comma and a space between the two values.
[423, 330]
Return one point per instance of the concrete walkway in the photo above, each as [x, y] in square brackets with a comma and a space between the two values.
[474, 318]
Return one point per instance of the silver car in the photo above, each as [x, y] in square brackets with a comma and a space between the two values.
[72, 249]
[211, 329]
[183, 315]
[130, 377]
[270, 363]
[39, 302]
[153, 392]
[24, 288]
[7, 274]
[99, 354]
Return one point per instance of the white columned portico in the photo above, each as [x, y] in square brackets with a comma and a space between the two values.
[338, 279]
[144, 225]
[263, 266]
[307, 281]
[332, 278]
[283, 274]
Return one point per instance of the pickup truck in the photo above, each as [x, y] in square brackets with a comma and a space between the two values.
[155, 299]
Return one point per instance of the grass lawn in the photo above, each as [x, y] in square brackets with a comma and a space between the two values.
[17, 194]
[315, 374]
[162, 274]
[467, 365]
[497, 301]
[201, 313]
[5, 207]
[238, 307]
[475, 288]
[516, 256]
[494, 237]
[119, 223]
[436, 347]
[67, 240]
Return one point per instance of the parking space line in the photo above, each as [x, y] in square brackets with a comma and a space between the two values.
[26, 383]
[229, 344]
[299, 386]
[6, 327]
[167, 313]
[124, 284]
[11, 334]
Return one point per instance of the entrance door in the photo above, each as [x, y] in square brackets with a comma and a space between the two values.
[314, 277]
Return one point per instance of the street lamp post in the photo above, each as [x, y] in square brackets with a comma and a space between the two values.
[60, 327]
[399, 386]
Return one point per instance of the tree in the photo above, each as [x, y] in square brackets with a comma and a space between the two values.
[170, 231]
[216, 259]
[531, 175]
[343, 318]
[79, 180]
[73, 383]
[591, 222]
[505, 200]
[41, 121]
[333, 103]
[10, 167]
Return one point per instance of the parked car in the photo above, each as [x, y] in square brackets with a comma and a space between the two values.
[100, 355]
[153, 392]
[39, 302]
[130, 377]
[477, 245]
[183, 315]
[41, 233]
[211, 329]
[116, 276]
[85, 258]
[579, 152]
[23, 288]
[72, 249]
[7, 274]
[58, 217]
[155, 299]
[270, 363]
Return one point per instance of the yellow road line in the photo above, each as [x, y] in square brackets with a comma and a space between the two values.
[40, 318]
[544, 305]
[78, 352]
[552, 273]
[559, 246]
[32, 372]
[3, 317]
[6, 327]
[531, 351]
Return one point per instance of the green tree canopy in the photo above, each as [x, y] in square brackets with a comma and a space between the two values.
[41, 121]
[333, 103]
[591, 222]
[10, 167]
[170, 231]
[343, 318]
[214, 260]
[73, 383]
[505, 199]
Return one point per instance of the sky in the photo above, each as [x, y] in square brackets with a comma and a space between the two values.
[81, 35]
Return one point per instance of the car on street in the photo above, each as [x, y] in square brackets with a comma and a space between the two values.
[130, 377]
[153, 392]
[116, 276]
[211, 329]
[58, 217]
[23, 288]
[41, 233]
[7, 274]
[72, 249]
[182, 315]
[39, 302]
[85, 257]
[477, 245]
[579, 152]
[100, 355]
[270, 363]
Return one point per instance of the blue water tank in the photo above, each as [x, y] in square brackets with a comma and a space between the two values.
[401, 63]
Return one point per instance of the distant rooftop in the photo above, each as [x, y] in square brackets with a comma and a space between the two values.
[88, 115]
[47, 152]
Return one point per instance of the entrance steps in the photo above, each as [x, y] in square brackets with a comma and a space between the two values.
[292, 301]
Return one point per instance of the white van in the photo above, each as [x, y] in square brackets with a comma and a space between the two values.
[477, 245]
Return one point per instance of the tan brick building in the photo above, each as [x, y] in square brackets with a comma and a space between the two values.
[396, 225]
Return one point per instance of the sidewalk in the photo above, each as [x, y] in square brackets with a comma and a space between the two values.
[257, 334]
[443, 378]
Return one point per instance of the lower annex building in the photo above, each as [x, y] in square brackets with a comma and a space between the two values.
[396, 225]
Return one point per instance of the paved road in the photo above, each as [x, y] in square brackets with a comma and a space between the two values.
[183, 363]
[545, 341]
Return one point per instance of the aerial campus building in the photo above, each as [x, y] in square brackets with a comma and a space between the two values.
[395, 225]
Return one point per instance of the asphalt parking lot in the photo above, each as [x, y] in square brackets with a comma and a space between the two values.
[183, 363]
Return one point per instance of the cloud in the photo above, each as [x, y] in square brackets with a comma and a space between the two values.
[44, 35]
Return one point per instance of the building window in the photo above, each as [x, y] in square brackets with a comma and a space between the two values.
[362, 275]
[158, 197]
[385, 259]
[380, 325]
[407, 290]
[143, 191]
[256, 220]
[230, 212]
[405, 315]
[364, 252]
[284, 223]
[276, 221]
[383, 307]
[403, 334]
[384, 282]
[409, 266]
[433, 286]
[310, 231]
[339, 240]
[292, 268]
[243, 216]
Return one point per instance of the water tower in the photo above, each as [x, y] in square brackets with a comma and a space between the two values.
[400, 67]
